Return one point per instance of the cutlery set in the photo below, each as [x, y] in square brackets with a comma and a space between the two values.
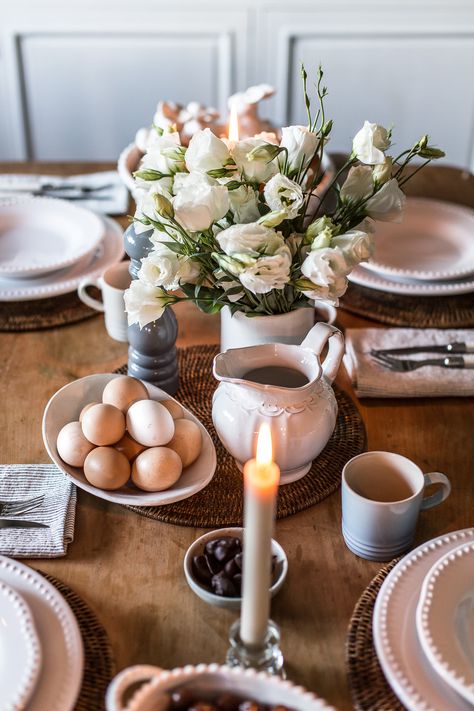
[10, 510]
[67, 191]
[388, 359]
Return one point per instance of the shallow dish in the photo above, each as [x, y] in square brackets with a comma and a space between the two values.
[395, 285]
[65, 407]
[230, 603]
[210, 678]
[43, 234]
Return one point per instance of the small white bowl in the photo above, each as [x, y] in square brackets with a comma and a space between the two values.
[230, 603]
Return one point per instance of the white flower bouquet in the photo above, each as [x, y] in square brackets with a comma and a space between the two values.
[237, 223]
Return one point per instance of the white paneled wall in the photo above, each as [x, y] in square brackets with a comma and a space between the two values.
[78, 78]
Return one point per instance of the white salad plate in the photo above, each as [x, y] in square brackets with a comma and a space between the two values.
[109, 251]
[408, 671]
[445, 619]
[365, 277]
[60, 675]
[66, 405]
[434, 242]
[20, 650]
[41, 235]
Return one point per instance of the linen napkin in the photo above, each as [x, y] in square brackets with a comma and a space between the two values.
[111, 201]
[58, 510]
[373, 380]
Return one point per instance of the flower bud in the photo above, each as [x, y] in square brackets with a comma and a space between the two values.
[319, 225]
[267, 151]
[163, 206]
[322, 240]
[431, 153]
[273, 218]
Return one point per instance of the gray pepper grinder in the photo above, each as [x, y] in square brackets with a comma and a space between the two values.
[152, 350]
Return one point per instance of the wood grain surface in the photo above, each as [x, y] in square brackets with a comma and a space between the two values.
[129, 568]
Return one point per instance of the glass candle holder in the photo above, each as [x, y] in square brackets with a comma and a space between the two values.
[267, 657]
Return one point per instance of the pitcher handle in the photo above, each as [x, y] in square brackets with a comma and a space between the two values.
[127, 677]
[323, 333]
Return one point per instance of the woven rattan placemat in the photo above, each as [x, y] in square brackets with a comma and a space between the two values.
[411, 311]
[99, 666]
[43, 313]
[370, 691]
[220, 503]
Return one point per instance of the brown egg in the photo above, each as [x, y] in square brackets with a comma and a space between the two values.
[103, 424]
[156, 469]
[150, 423]
[85, 408]
[174, 408]
[187, 441]
[106, 468]
[72, 446]
[123, 391]
[129, 446]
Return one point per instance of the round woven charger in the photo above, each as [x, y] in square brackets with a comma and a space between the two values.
[412, 311]
[99, 666]
[370, 691]
[220, 503]
[43, 313]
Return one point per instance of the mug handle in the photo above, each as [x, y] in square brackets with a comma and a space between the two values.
[127, 677]
[323, 333]
[436, 478]
[84, 296]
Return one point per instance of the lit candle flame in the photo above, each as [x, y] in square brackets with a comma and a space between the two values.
[233, 124]
[264, 445]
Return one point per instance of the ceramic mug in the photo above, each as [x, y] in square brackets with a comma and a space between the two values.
[112, 284]
[382, 495]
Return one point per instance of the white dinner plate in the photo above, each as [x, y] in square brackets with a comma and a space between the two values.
[60, 676]
[109, 251]
[66, 405]
[41, 235]
[20, 650]
[445, 619]
[408, 671]
[435, 241]
[370, 279]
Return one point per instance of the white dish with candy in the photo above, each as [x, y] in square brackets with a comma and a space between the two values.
[128, 449]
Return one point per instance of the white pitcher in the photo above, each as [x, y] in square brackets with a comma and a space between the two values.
[300, 406]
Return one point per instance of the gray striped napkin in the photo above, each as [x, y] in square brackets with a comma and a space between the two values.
[58, 510]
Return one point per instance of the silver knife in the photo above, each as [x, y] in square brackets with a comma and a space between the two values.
[455, 347]
[20, 523]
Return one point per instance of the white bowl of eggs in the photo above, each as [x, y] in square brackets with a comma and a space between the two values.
[127, 441]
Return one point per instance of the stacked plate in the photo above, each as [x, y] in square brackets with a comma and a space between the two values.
[47, 246]
[41, 653]
[423, 625]
[430, 253]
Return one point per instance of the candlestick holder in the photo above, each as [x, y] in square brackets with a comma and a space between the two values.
[268, 657]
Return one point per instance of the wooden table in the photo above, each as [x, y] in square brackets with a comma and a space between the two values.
[129, 568]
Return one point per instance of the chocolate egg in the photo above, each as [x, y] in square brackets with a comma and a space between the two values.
[103, 424]
[123, 391]
[72, 446]
[186, 441]
[150, 423]
[106, 468]
[156, 469]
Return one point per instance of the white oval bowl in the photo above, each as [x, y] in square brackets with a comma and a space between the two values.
[230, 603]
[211, 678]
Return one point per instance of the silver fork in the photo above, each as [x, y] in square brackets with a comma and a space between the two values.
[15, 508]
[400, 365]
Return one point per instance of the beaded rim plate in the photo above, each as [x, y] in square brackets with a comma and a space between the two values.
[20, 650]
[406, 668]
[60, 677]
[445, 619]
[371, 280]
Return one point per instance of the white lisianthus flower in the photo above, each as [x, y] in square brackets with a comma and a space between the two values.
[370, 142]
[388, 203]
[383, 171]
[243, 202]
[281, 193]
[157, 160]
[268, 273]
[145, 303]
[163, 267]
[206, 152]
[359, 183]
[250, 238]
[200, 202]
[325, 271]
[301, 144]
[256, 170]
[357, 246]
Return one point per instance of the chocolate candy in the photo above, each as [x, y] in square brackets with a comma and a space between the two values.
[185, 699]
